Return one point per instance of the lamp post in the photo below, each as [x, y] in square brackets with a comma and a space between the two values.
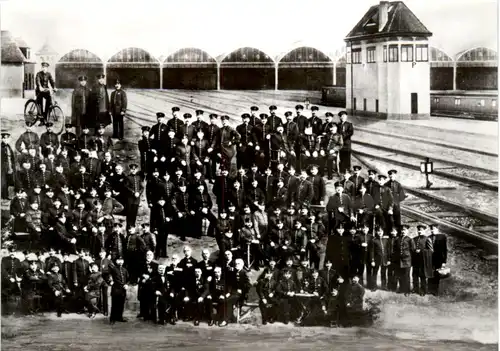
[427, 168]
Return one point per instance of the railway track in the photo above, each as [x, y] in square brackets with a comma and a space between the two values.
[448, 167]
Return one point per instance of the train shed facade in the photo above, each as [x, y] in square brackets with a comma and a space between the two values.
[190, 68]
[247, 69]
[76, 63]
[305, 68]
[135, 67]
[442, 70]
[477, 69]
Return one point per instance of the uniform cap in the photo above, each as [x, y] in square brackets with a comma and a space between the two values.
[133, 166]
[357, 168]
[187, 115]
[254, 108]
[272, 108]
[392, 171]
[328, 114]
[160, 114]
[45, 64]
[339, 185]
[372, 171]
[4, 134]
[117, 82]
[213, 115]
[288, 113]
[421, 226]
[314, 108]
[382, 176]
[49, 124]
[245, 115]
[224, 118]
[299, 107]
[146, 129]
[175, 109]
[199, 112]
[263, 115]
[99, 76]
[82, 78]
[341, 113]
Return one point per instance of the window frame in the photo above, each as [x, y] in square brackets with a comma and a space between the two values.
[385, 53]
[422, 48]
[356, 56]
[371, 51]
[407, 53]
[393, 49]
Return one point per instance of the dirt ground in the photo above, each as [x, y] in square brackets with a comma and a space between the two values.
[465, 317]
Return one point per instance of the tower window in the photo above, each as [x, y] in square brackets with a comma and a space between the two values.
[406, 53]
[370, 55]
[393, 53]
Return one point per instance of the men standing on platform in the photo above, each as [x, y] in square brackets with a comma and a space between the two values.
[254, 120]
[27, 140]
[300, 119]
[315, 122]
[273, 121]
[245, 148]
[401, 257]
[135, 188]
[422, 261]
[80, 105]
[346, 130]
[100, 103]
[398, 195]
[118, 109]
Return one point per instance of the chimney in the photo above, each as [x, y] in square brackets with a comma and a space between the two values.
[383, 14]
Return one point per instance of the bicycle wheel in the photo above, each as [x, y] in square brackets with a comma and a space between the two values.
[56, 116]
[31, 111]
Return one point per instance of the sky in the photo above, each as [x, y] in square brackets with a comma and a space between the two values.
[221, 26]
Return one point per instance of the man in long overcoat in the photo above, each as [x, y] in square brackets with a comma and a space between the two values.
[100, 102]
[80, 105]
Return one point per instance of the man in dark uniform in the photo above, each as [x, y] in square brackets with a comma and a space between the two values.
[363, 207]
[119, 285]
[380, 258]
[291, 137]
[421, 261]
[245, 149]
[315, 122]
[175, 123]
[69, 139]
[118, 108]
[80, 104]
[310, 145]
[158, 135]
[134, 185]
[49, 141]
[197, 125]
[439, 257]
[384, 214]
[339, 208]
[398, 195]
[8, 159]
[213, 136]
[332, 143]
[146, 151]
[43, 83]
[228, 139]
[305, 191]
[254, 120]
[27, 140]
[401, 257]
[100, 103]
[356, 178]
[182, 210]
[300, 119]
[346, 130]
[273, 121]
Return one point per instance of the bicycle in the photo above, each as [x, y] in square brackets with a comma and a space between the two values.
[55, 115]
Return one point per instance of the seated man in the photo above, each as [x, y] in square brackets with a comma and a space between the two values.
[193, 299]
[354, 303]
[266, 289]
[219, 292]
[165, 294]
[286, 293]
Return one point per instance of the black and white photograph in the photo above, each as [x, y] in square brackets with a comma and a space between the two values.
[249, 175]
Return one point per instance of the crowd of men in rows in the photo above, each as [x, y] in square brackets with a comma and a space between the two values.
[274, 209]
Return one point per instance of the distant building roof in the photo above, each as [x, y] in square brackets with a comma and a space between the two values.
[400, 21]
[46, 50]
[21, 43]
[11, 53]
[6, 37]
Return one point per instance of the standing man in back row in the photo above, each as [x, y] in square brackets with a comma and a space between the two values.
[80, 105]
[346, 130]
[100, 103]
[118, 108]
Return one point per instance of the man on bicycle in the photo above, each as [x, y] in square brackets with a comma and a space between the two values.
[44, 82]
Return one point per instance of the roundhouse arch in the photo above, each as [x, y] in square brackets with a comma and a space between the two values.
[135, 67]
[190, 68]
[247, 68]
[305, 68]
[76, 63]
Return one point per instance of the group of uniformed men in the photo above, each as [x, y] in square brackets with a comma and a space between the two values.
[273, 212]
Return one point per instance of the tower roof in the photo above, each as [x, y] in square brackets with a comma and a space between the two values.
[46, 50]
[10, 50]
[400, 20]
